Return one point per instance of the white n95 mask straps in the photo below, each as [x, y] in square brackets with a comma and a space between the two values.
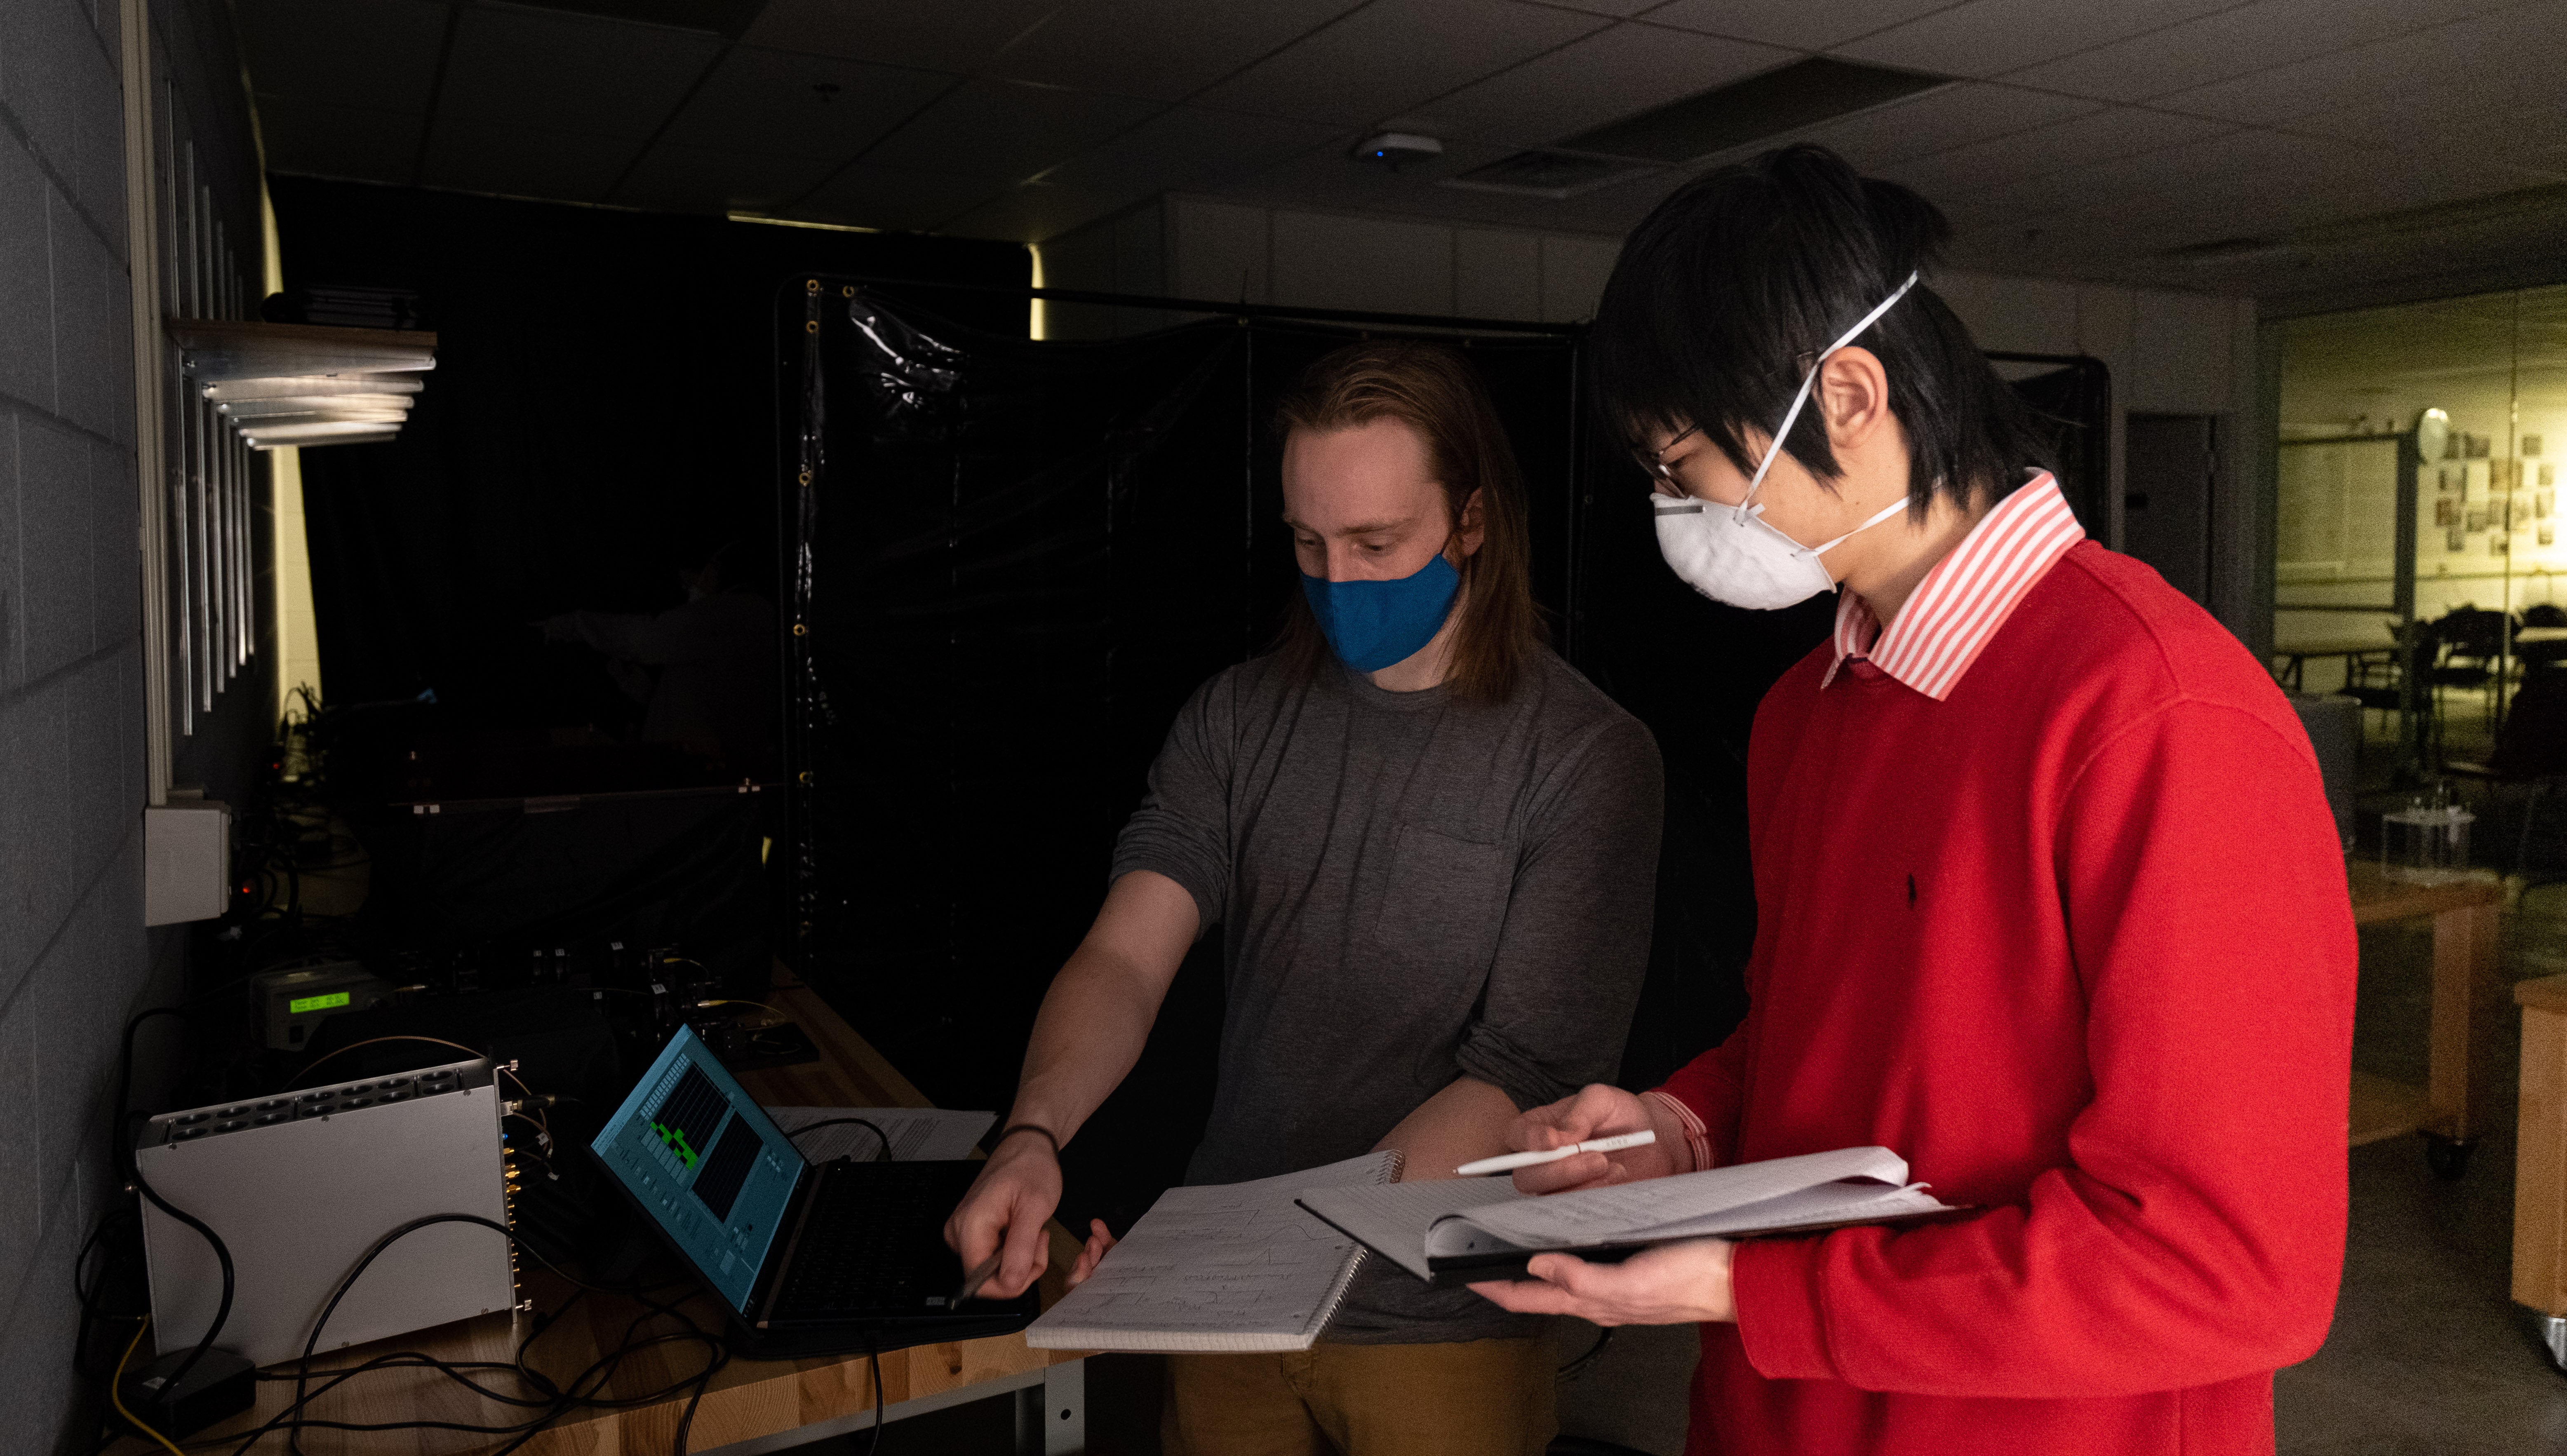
[1731, 553]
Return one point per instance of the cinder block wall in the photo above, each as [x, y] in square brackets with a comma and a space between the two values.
[74, 958]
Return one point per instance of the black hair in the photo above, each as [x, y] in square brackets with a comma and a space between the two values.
[1725, 294]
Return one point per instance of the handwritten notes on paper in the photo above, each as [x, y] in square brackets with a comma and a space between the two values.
[1234, 1267]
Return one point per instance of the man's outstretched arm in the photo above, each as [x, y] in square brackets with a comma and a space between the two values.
[1094, 1021]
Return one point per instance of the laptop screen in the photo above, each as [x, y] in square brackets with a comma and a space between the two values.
[707, 1161]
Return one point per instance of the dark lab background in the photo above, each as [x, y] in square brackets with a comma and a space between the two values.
[1012, 562]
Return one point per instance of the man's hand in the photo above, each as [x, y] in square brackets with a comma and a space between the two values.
[1597, 1111]
[1017, 1191]
[1674, 1283]
[1100, 1242]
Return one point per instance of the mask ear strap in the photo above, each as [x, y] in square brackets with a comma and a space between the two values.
[1802, 396]
[1878, 516]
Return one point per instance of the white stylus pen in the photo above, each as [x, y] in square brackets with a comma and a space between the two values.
[1513, 1161]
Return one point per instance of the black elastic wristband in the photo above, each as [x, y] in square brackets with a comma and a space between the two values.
[1013, 1128]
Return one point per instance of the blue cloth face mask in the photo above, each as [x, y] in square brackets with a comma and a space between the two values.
[1373, 623]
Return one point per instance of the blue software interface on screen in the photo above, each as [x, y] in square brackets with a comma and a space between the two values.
[710, 1166]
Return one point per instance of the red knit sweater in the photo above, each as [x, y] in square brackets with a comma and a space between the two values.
[2074, 940]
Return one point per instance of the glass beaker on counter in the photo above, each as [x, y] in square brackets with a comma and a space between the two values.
[2427, 842]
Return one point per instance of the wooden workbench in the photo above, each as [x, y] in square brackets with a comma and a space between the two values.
[2465, 917]
[750, 1406]
[2540, 1159]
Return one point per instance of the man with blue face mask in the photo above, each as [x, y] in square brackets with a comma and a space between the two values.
[1430, 847]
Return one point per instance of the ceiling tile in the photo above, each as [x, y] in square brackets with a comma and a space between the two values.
[2099, 135]
[2480, 48]
[1618, 9]
[2241, 159]
[1034, 212]
[1185, 148]
[1985, 37]
[675, 179]
[2249, 38]
[377, 53]
[519, 161]
[1005, 129]
[1393, 55]
[1164, 49]
[1598, 79]
[1953, 116]
[554, 71]
[775, 102]
[936, 35]
[1331, 179]
[890, 197]
[2517, 115]
[316, 139]
[1800, 27]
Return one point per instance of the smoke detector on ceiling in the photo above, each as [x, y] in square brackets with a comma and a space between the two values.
[1398, 150]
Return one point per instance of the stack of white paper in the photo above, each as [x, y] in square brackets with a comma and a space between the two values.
[1233, 1266]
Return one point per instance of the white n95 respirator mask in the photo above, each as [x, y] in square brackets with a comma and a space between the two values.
[1730, 553]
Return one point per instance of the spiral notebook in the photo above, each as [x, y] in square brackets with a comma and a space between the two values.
[1230, 1268]
[1455, 1232]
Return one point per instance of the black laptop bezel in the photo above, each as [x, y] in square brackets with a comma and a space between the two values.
[811, 1339]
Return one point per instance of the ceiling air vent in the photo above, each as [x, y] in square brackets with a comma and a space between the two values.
[726, 18]
[1799, 95]
[1544, 174]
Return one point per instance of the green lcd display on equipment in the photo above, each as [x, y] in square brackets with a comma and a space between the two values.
[301, 1005]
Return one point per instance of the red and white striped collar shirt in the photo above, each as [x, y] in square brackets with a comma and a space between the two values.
[1966, 597]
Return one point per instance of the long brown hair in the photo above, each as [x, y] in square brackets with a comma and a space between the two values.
[1434, 391]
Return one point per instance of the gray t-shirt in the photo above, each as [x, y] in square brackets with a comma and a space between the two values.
[1411, 889]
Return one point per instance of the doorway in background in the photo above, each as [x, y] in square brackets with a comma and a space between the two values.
[2171, 460]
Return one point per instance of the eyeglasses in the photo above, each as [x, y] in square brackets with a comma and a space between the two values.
[1656, 462]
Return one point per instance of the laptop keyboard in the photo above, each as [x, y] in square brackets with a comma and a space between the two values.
[872, 1246]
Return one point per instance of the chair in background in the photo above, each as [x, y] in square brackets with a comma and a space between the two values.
[2538, 657]
[2375, 681]
[2472, 651]
[2526, 779]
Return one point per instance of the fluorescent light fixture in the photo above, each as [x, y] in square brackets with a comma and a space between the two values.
[1786, 99]
[270, 423]
[247, 410]
[375, 439]
[305, 384]
[286, 386]
[318, 430]
[1553, 175]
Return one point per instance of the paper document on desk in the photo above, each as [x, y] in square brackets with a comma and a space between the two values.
[1450, 1233]
[1232, 1267]
[918, 1134]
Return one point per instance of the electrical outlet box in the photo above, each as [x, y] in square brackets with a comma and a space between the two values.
[187, 861]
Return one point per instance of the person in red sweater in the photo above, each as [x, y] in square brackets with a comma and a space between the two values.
[2048, 900]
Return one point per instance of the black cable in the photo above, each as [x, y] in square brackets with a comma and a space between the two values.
[873, 1357]
[882, 1156]
[1594, 1352]
[124, 1153]
[562, 1399]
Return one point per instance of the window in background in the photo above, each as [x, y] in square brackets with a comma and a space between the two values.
[2486, 378]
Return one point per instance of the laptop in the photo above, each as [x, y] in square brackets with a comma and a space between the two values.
[834, 1259]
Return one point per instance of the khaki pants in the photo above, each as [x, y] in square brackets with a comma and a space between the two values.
[1484, 1397]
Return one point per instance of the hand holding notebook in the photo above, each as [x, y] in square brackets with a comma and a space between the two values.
[1464, 1232]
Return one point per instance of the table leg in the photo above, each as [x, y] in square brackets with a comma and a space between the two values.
[2464, 967]
[1052, 1418]
[2540, 1167]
